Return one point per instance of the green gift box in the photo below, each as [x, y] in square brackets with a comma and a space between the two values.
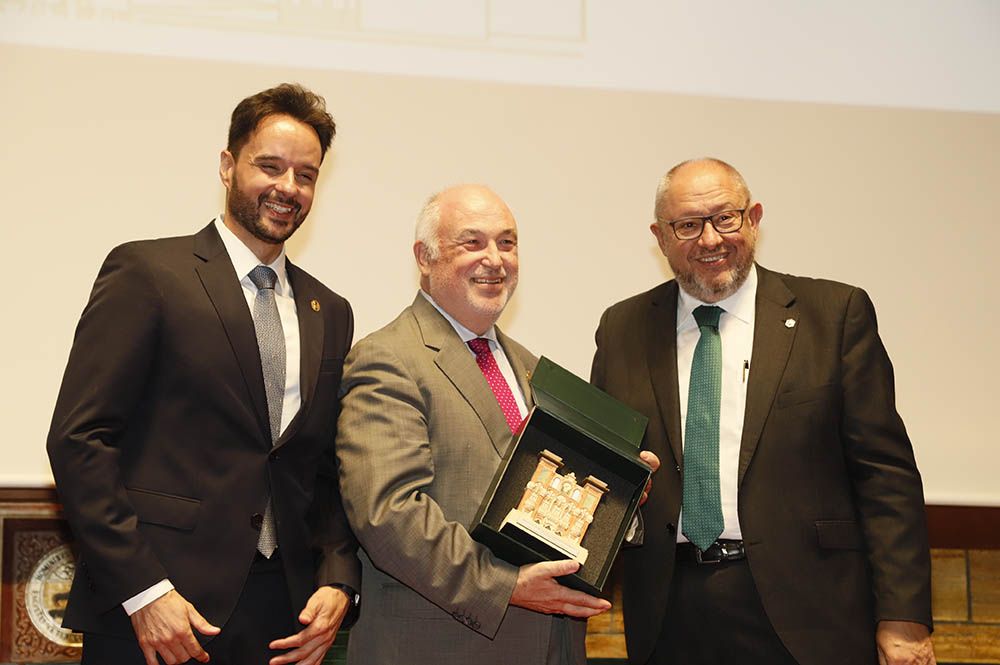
[535, 510]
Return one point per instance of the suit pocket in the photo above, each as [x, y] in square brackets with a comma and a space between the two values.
[176, 512]
[819, 393]
[331, 364]
[839, 535]
[405, 603]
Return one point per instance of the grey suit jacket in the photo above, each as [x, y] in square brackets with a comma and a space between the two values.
[420, 437]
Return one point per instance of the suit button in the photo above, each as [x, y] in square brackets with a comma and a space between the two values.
[274, 457]
[677, 468]
[671, 528]
[256, 521]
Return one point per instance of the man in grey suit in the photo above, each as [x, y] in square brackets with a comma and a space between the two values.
[425, 423]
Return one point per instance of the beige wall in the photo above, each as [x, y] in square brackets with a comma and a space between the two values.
[99, 149]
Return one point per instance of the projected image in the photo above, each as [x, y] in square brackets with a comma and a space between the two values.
[484, 23]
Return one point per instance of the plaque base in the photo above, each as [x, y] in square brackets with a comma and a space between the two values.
[523, 521]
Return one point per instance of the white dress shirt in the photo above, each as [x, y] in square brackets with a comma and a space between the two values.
[736, 327]
[244, 261]
[498, 353]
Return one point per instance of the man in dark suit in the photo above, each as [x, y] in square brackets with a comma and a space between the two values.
[790, 528]
[192, 438]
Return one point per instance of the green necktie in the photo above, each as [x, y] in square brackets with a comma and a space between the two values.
[702, 508]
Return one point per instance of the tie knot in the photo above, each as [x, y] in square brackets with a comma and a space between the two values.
[263, 277]
[707, 315]
[479, 346]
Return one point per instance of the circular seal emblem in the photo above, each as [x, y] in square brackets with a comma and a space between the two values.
[46, 593]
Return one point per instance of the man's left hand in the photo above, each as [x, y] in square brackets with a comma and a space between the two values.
[321, 617]
[653, 462]
[904, 643]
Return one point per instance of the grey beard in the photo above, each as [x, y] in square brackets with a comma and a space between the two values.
[714, 293]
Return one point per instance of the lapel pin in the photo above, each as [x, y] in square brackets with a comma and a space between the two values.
[315, 305]
[789, 323]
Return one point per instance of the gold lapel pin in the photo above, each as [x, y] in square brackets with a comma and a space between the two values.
[314, 304]
[789, 323]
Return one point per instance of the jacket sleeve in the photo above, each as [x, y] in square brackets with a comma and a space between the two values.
[332, 534]
[111, 358]
[886, 482]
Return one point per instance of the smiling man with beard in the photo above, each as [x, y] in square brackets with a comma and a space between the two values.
[192, 438]
[430, 403]
[787, 525]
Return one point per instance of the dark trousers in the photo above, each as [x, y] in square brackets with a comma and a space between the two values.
[262, 614]
[714, 616]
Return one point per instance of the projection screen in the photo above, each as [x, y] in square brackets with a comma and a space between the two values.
[869, 132]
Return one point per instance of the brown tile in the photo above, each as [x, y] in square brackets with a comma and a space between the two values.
[616, 592]
[617, 619]
[609, 622]
[949, 585]
[618, 622]
[602, 623]
[605, 646]
[966, 643]
[984, 583]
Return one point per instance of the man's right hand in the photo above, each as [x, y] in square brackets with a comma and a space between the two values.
[536, 589]
[164, 627]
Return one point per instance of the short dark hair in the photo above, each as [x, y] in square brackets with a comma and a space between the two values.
[286, 99]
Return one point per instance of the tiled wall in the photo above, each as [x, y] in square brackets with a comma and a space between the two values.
[965, 569]
[606, 632]
[966, 588]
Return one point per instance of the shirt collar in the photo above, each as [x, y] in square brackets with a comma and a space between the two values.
[464, 333]
[740, 304]
[244, 260]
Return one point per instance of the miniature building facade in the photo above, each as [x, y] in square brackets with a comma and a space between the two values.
[555, 509]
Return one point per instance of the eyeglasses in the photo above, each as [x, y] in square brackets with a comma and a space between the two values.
[691, 228]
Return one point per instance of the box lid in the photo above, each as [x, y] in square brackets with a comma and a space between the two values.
[579, 404]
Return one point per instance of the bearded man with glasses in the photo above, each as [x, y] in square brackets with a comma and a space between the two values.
[787, 523]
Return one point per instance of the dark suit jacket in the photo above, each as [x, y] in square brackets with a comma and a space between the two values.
[830, 500]
[160, 443]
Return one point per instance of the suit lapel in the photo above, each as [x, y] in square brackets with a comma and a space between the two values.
[219, 281]
[772, 342]
[661, 345]
[458, 364]
[311, 331]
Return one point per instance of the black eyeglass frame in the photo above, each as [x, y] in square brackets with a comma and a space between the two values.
[707, 220]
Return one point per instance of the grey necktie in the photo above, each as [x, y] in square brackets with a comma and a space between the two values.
[271, 341]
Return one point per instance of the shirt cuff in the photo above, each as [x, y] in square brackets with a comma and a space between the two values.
[143, 598]
[633, 528]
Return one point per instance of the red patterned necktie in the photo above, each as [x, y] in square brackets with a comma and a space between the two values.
[488, 365]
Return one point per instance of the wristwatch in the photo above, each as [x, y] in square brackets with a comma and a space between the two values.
[354, 598]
